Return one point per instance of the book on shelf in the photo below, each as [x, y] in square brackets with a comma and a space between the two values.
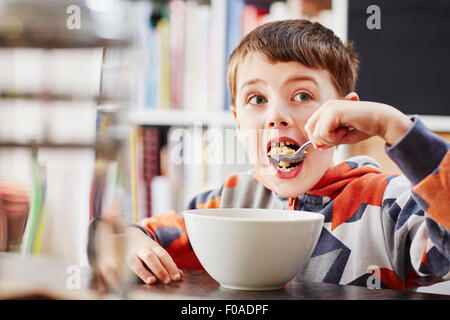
[140, 187]
[151, 147]
[175, 167]
[241, 18]
[253, 16]
[177, 48]
[164, 81]
[197, 33]
[153, 66]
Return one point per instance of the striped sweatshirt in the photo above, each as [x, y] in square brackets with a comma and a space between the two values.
[392, 227]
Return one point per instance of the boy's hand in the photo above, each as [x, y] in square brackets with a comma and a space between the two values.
[148, 259]
[346, 122]
[145, 257]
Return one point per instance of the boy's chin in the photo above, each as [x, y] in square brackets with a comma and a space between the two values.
[288, 191]
[288, 188]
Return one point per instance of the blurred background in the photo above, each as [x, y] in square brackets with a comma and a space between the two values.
[151, 77]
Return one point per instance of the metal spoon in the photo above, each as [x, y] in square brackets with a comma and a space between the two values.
[297, 156]
[300, 153]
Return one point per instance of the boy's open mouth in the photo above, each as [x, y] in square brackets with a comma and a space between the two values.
[284, 145]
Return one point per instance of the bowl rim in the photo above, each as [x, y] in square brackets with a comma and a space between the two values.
[313, 215]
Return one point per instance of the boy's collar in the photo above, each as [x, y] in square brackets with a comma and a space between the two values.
[337, 178]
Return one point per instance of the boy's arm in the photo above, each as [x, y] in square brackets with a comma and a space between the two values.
[421, 215]
[424, 159]
[419, 152]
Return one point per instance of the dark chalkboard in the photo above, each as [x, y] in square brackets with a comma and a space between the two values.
[406, 63]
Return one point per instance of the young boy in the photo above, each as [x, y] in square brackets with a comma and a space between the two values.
[293, 81]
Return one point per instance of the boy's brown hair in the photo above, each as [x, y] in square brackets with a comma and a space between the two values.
[303, 41]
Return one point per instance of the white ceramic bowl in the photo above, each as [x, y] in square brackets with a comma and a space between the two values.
[253, 249]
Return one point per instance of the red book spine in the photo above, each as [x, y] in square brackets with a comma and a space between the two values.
[151, 146]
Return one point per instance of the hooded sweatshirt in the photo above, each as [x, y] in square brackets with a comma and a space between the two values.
[391, 230]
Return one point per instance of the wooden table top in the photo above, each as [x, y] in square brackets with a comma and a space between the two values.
[26, 277]
[199, 285]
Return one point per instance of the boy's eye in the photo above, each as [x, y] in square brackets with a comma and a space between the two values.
[257, 100]
[302, 96]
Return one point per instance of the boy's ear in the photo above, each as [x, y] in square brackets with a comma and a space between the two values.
[238, 132]
[233, 110]
[352, 96]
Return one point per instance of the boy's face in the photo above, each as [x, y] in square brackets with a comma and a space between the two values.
[273, 103]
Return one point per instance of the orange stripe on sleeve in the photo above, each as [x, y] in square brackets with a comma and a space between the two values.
[435, 191]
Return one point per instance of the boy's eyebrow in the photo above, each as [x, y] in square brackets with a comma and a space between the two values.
[301, 78]
[253, 81]
[291, 79]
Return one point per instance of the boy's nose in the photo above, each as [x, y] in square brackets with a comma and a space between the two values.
[280, 123]
[277, 119]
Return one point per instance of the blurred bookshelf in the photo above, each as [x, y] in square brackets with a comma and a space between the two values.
[186, 44]
[180, 118]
